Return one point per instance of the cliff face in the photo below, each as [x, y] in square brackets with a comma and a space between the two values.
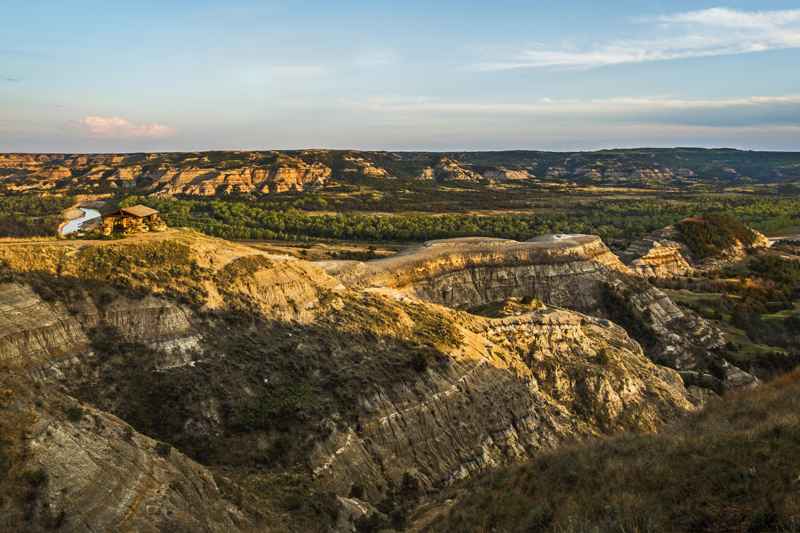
[573, 271]
[464, 273]
[505, 174]
[263, 365]
[449, 170]
[33, 330]
[281, 176]
[510, 389]
[657, 257]
[696, 464]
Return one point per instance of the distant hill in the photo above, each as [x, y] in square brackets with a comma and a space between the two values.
[265, 172]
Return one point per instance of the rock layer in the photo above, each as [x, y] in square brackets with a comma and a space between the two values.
[574, 271]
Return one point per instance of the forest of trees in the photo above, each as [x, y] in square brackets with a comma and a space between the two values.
[31, 215]
[612, 220]
[615, 220]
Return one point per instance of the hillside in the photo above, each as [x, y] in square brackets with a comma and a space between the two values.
[230, 173]
[731, 467]
[335, 395]
[693, 245]
[290, 391]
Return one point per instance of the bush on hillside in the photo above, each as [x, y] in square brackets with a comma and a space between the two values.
[710, 235]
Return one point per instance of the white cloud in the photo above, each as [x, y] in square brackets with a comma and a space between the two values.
[118, 127]
[731, 18]
[693, 34]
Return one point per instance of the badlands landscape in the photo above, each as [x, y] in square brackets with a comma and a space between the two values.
[176, 381]
[389, 267]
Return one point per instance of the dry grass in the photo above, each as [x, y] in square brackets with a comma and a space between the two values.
[730, 468]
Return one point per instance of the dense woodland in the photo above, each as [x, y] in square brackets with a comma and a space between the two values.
[31, 215]
[613, 220]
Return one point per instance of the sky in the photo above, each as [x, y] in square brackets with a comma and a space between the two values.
[170, 75]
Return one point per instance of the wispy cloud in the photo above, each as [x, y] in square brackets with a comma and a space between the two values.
[719, 112]
[599, 105]
[121, 128]
[693, 34]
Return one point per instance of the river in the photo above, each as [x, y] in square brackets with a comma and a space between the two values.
[75, 224]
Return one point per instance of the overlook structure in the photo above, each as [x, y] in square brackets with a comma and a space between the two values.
[128, 220]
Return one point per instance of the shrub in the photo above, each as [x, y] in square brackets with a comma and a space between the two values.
[163, 449]
[35, 478]
[419, 361]
[74, 413]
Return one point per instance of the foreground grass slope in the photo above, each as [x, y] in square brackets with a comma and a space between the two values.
[732, 467]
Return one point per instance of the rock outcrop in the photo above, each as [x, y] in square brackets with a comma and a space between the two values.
[663, 254]
[284, 175]
[573, 271]
[165, 174]
[506, 174]
[449, 170]
[563, 270]
[531, 372]
[657, 256]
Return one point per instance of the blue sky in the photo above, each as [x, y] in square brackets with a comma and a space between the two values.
[445, 75]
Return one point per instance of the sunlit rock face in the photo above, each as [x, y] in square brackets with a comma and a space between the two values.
[577, 272]
[179, 174]
[658, 258]
[463, 273]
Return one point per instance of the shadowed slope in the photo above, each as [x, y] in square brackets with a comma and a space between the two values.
[731, 467]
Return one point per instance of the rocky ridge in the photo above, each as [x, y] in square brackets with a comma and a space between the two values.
[369, 381]
[572, 271]
[195, 175]
[265, 172]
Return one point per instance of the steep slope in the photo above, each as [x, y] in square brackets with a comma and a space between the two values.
[574, 271]
[273, 371]
[69, 467]
[657, 256]
[731, 467]
[563, 270]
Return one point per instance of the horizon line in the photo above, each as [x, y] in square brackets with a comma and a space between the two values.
[428, 151]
